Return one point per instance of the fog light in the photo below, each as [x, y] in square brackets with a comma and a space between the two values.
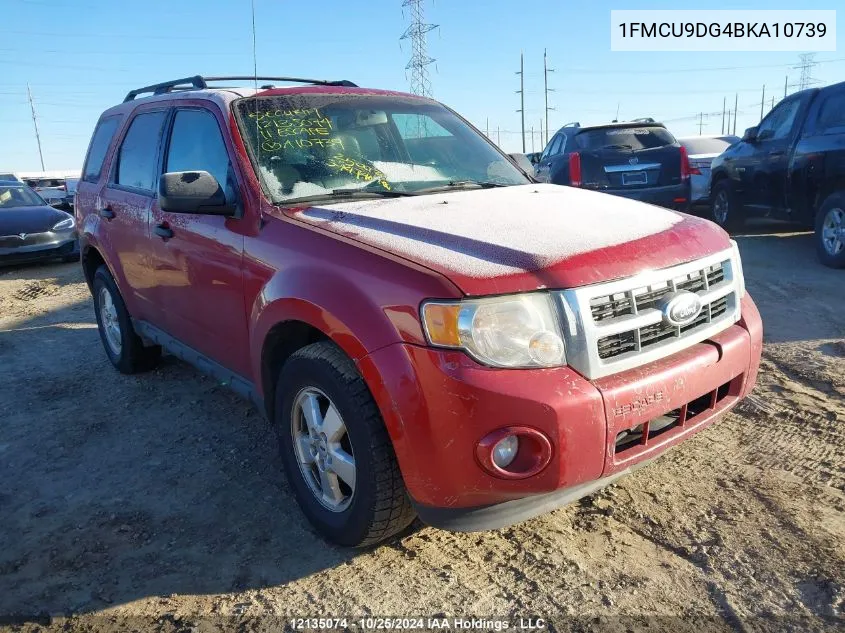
[505, 451]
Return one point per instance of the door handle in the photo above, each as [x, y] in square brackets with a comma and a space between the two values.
[163, 231]
[106, 213]
[777, 152]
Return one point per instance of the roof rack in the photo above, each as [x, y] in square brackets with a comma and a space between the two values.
[198, 82]
[572, 124]
[644, 119]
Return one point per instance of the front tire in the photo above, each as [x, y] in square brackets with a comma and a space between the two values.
[336, 452]
[725, 208]
[123, 346]
[830, 231]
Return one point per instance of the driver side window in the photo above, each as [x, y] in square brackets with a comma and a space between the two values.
[778, 124]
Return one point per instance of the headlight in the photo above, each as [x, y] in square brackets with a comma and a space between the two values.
[737, 263]
[64, 225]
[510, 331]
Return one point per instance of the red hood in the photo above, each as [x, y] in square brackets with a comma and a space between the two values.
[515, 239]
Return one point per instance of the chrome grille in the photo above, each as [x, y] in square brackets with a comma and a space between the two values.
[618, 304]
[619, 325]
[625, 342]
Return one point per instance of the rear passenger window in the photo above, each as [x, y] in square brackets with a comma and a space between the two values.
[136, 159]
[832, 115]
[196, 144]
[99, 146]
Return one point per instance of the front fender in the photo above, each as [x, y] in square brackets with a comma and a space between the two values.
[335, 305]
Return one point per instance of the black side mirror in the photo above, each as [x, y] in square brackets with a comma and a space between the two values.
[193, 192]
[750, 135]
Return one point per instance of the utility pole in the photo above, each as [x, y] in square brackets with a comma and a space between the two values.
[729, 123]
[724, 105]
[521, 92]
[532, 138]
[736, 110]
[498, 137]
[785, 85]
[762, 102]
[700, 122]
[773, 104]
[542, 142]
[35, 123]
[487, 128]
[546, 90]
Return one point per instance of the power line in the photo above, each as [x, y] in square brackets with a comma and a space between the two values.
[594, 71]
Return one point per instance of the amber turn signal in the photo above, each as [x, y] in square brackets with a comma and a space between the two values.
[441, 323]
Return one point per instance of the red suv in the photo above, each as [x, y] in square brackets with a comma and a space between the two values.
[431, 332]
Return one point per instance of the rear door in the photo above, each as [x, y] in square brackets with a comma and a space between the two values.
[124, 210]
[765, 176]
[628, 157]
[818, 161]
[197, 259]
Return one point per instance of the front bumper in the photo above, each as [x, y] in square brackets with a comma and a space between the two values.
[58, 246]
[438, 404]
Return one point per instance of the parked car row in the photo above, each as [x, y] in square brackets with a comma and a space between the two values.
[431, 332]
[637, 159]
[791, 166]
[56, 188]
[31, 229]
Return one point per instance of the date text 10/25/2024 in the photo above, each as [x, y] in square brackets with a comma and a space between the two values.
[416, 624]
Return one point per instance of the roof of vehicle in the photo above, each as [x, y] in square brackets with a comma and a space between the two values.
[577, 128]
[10, 183]
[223, 95]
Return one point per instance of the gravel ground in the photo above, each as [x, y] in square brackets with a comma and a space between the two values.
[157, 502]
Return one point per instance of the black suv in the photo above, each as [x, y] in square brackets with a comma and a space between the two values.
[638, 159]
[791, 166]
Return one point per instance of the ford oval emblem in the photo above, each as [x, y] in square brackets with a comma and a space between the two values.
[681, 308]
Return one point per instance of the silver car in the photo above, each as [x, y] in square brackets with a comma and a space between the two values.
[701, 151]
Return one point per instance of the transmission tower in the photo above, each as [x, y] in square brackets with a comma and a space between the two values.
[808, 62]
[418, 65]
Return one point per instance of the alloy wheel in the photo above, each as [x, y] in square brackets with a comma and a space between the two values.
[833, 231]
[323, 449]
[110, 322]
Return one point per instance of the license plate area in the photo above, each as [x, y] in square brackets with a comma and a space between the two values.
[635, 178]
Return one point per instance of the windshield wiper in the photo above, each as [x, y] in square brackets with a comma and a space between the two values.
[340, 194]
[462, 184]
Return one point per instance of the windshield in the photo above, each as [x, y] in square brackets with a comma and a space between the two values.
[715, 145]
[314, 145]
[23, 196]
[625, 138]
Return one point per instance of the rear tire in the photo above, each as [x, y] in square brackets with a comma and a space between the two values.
[725, 208]
[123, 346]
[830, 231]
[366, 501]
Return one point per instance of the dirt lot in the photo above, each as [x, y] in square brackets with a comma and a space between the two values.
[158, 501]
